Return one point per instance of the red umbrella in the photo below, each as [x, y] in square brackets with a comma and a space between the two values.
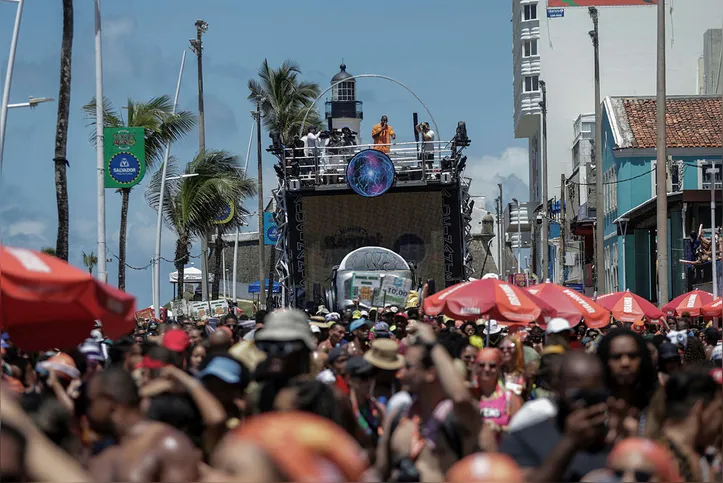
[691, 302]
[495, 298]
[46, 303]
[628, 307]
[713, 309]
[572, 305]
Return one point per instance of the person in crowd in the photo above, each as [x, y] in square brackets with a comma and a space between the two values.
[289, 446]
[287, 341]
[336, 338]
[558, 332]
[126, 353]
[669, 361]
[468, 329]
[485, 468]
[575, 441]
[469, 357]
[220, 340]
[383, 135]
[492, 332]
[628, 368]
[359, 344]
[497, 403]
[368, 412]
[692, 420]
[442, 426]
[226, 379]
[536, 338]
[145, 450]
[544, 394]
[197, 355]
[694, 352]
[427, 152]
[711, 337]
[384, 356]
[513, 364]
[641, 460]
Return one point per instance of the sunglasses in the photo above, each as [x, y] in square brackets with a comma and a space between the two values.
[640, 476]
[488, 365]
[507, 348]
[279, 349]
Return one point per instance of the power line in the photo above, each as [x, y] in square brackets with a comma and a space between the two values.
[614, 182]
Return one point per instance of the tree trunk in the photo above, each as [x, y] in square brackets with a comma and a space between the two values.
[218, 269]
[180, 260]
[125, 193]
[61, 133]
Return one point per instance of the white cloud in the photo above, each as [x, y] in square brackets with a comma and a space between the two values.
[509, 168]
[27, 228]
[118, 27]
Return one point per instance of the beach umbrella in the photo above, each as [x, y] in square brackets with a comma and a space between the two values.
[629, 307]
[691, 302]
[572, 305]
[713, 309]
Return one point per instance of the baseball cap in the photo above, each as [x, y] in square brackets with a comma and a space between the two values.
[357, 324]
[224, 368]
[557, 325]
[357, 366]
[356, 315]
[668, 350]
[492, 327]
[337, 352]
[176, 340]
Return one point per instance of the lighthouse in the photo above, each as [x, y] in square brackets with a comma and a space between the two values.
[343, 110]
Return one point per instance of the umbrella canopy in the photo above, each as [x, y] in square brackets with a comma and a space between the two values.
[691, 302]
[497, 299]
[713, 309]
[46, 303]
[628, 307]
[572, 305]
[254, 287]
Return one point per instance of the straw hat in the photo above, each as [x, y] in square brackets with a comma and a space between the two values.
[384, 354]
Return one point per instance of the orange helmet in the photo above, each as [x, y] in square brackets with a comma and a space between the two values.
[306, 447]
[485, 468]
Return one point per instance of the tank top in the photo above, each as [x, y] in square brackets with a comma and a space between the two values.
[496, 409]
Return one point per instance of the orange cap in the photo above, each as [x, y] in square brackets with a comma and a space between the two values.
[485, 468]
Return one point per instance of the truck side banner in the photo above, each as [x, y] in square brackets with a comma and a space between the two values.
[597, 3]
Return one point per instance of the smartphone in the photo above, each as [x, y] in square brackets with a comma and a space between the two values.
[589, 397]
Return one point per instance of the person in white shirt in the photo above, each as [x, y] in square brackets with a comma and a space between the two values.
[427, 143]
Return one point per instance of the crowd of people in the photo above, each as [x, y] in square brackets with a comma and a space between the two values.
[383, 395]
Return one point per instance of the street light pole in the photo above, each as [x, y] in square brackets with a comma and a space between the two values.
[159, 220]
[661, 166]
[519, 237]
[197, 47]
[262, 277]
[501, 240]
[545, 214]
[100, 162]
[599, 209]
[9, 77]
[713, 171]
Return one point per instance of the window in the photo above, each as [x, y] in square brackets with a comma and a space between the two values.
[529, 11]
[706, 176]
[529, 48]
[531, 83]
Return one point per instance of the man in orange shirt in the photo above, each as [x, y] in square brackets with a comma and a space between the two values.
[383, 135]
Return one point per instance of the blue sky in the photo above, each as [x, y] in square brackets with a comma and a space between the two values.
[455, 55]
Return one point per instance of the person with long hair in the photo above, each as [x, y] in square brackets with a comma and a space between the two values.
[497, 403]
[513, 364]
[628, 369]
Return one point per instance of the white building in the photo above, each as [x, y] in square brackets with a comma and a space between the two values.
[558, 50]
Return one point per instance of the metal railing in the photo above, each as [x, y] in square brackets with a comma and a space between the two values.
[328, 164]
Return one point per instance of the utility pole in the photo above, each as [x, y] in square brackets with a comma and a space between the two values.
[501, 240]
[99, 156]
[713, 248]
[661, 166]
[197, 47]
[563, 228]
[260, 177]
[545, 214]
[599, 208]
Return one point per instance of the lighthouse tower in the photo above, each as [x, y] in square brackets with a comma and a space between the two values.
[343, 110]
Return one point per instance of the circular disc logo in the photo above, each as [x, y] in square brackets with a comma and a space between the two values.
[124, 168]
[272, 233]
[370, 173]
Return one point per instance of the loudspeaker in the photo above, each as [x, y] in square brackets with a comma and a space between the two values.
[294, 185]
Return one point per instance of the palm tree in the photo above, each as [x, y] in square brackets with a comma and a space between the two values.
[48, 251]
[61, 133]
[285, 99]
[191, 204]
[90, 261]
[162, 126]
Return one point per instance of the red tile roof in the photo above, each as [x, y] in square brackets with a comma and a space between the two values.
[691, 122]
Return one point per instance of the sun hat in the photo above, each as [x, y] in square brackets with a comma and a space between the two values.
[63, 365]
[357, 324]
[285, 326]
[322, 310]
[364, 314]
[492, 327]
[332, 317]
[315, 329]
[557, 325]
[384, 354]
[224, 368]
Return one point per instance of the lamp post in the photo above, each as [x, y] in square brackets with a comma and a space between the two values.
[99, 143]
[623, 223]
[519, 237]
[9, 76]
[599, 209]
[32, 102]
[159, 220]
[545, 215]
[262, 272]
[713, 171]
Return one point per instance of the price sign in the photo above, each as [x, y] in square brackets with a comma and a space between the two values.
[363, 286]
[396, 289]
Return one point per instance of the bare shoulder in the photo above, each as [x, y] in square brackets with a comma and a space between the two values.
[102, 466]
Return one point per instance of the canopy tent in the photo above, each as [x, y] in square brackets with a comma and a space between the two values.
[190, 275]
[254, 286]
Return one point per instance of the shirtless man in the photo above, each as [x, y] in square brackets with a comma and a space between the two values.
[336, 335]
[444, 423]
[360, 343]
[146, 450]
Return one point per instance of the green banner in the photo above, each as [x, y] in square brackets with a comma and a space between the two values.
[124, 151]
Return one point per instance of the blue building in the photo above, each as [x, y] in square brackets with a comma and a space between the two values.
[693, 130]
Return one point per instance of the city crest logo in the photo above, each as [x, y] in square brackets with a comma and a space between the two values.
[124, 140]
